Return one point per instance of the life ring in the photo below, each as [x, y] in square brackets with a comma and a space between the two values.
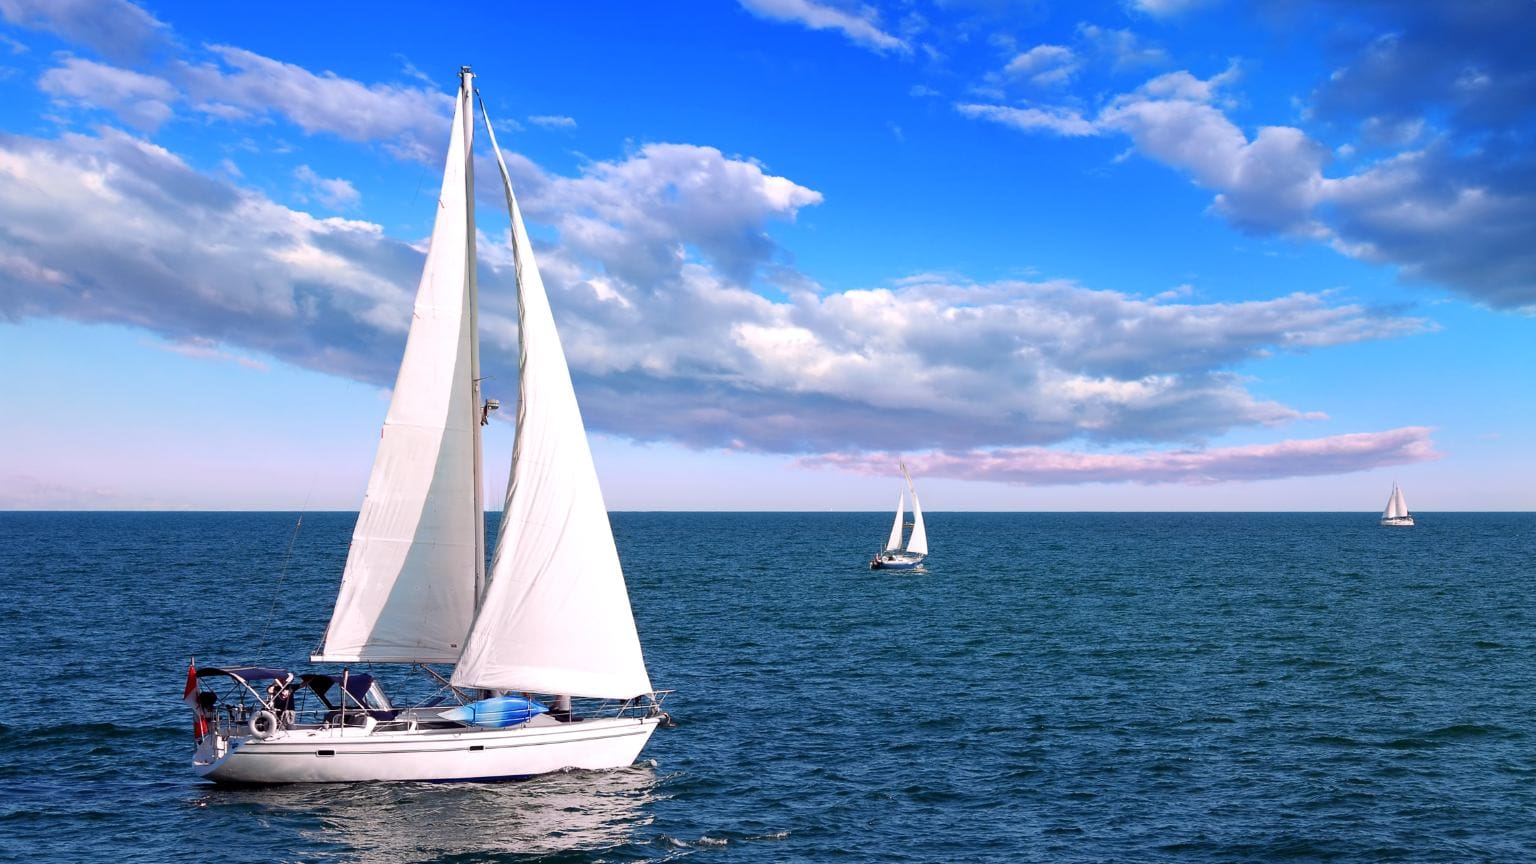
[262, 724]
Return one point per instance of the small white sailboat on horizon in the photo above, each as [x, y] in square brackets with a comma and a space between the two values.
[1396, 512]
[895, 555]
[547, 669]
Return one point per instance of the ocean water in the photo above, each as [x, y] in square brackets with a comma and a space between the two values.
[1053, 688]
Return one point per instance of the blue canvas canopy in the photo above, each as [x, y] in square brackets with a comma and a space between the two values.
[244, 673]
[357, 684]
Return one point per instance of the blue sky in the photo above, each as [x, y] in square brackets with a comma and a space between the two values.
[1161, 254]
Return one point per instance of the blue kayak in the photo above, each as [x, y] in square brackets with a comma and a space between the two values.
[495, 712]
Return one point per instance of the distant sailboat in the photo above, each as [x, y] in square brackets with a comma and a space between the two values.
[1397, 509]
[552, 617]
[894, 556]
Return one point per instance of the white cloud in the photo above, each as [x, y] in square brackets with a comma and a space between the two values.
[1061, 121]
[1166, 8]
[650, 280]
[859, 23]
[1270, 184]
[142, 101]
[115, 229]
[641, 216]
[334, 192]
[115, 28]
[549, 121]
[1044, 65]
[409, 119]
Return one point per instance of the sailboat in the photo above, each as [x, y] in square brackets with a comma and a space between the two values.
[547, 669]
[894, 556]
[1397, 508]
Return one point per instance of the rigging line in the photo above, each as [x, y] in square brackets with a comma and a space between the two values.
[282, 575]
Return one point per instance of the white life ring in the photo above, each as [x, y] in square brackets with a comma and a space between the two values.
[262, 724]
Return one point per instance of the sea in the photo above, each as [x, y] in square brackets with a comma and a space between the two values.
[1073, 687]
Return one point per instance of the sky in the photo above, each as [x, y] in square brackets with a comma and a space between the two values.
[1133, 255]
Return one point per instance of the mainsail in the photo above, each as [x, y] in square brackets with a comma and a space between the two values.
[555, 617]
[408, 589]
[1397, 505]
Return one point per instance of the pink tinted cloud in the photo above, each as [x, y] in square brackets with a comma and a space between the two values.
[1040, 466]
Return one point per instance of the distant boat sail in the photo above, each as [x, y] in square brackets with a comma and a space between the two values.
[893, 556]
[1397, 509]
[552, 617]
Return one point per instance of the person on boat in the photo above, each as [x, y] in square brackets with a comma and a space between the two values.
[284, 706]
[281, 694]
[206, 713]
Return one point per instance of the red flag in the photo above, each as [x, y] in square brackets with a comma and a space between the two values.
[189, 695]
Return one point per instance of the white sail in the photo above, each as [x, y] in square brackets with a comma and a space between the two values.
[918, 542]
[1397, 505]
[556, 615]
[894, 542]
[408, 589]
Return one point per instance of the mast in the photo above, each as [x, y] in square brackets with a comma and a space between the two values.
[478, 411]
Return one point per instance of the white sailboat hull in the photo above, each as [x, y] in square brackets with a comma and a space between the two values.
[1401, 521]
[896, 561]
[359, 754]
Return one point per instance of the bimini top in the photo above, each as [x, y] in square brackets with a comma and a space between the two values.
[244, 673]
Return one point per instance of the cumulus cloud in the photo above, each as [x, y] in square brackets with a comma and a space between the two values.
[1061, 121]
[139, 100]
[1406, 61]
[1271, 184]
[649, 282]
[1456, 212]
[641, 217]
[1036, 466]
[334, 192]
[968, 366]
[409, 119]
[244, 87]
[114, 28]
[111, 228]
[1044, 65]
[861, 24]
